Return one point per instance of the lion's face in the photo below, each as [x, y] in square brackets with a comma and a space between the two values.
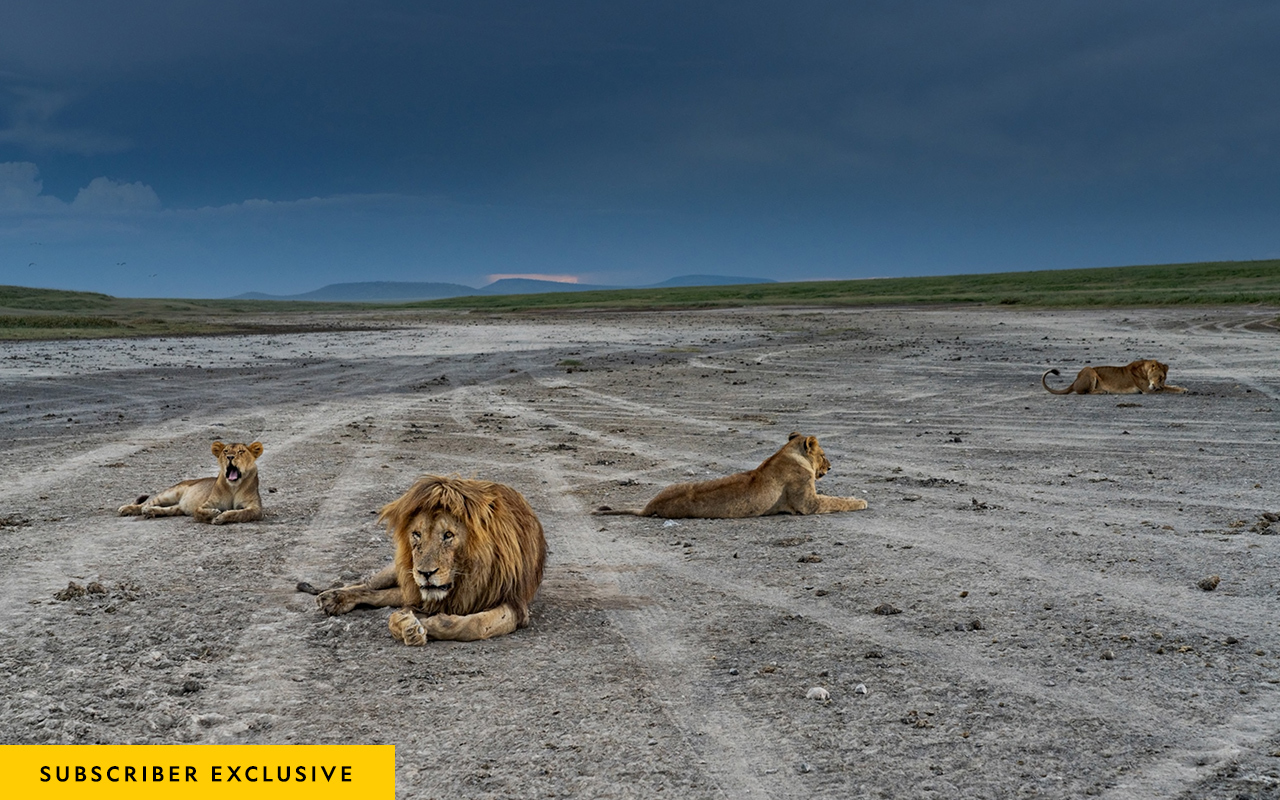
[1156, 373]
[435, 542]
[237, 461]
[821, 464]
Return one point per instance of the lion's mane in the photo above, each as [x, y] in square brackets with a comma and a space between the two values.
[503, 555]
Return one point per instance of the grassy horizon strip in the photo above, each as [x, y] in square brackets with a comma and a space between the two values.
[57, 322]
[1170, 284]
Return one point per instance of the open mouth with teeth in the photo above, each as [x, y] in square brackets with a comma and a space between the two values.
[233, 474]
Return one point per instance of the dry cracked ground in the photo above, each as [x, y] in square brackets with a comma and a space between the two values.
[1043, 553]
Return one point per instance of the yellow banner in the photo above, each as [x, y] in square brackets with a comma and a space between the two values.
[195, 772]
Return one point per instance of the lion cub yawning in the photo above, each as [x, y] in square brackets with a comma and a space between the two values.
[230, 497]
[1146, 376]
[782, 484]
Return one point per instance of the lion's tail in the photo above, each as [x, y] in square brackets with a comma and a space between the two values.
[1051, 390]
[303, 586]
[606, 511]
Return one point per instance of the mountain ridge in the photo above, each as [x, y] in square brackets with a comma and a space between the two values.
[408, 291]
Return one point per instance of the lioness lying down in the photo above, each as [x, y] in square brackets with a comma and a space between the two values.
[469, 559]
[230, 497]
[1146, 376]
[782, 484]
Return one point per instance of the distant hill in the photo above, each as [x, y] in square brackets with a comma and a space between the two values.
[705, 280]
[371, 292]
[528, 286]
[404, 292]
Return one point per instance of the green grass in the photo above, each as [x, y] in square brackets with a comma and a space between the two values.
[27, 313]
[58, 321]
[1211, 283]
[46, 313]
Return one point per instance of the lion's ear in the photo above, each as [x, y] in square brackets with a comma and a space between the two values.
[217, 448]
[810, 442]
[793, 435]
[256, 449]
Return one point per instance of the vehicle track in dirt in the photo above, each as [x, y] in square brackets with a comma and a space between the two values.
[674, 659]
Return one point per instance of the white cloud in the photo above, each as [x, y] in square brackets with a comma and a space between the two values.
[104, 194]
[21, 187]
[21, 192]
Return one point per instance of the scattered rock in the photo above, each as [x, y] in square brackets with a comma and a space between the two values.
[873, 654]
[72, 591]
[812, 558]
[95, 588]
[14, 521]
[1108, 655]
[917, 720]
[860, 689]
[885, 609]
[975, 625]
[1210, 583]
[819, 694]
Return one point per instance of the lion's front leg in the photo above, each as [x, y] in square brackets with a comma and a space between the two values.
[826, 505]
[380, 591]
[234, 515]
[1169, 387]
[810, 502]
[406, 627]
[472, 627]
[409, 627]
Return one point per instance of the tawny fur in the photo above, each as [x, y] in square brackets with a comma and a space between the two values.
[469, 557]
[1145, 376]
[784, 483]
[230, 497]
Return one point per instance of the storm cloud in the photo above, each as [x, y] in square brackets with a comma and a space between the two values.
[629, 142]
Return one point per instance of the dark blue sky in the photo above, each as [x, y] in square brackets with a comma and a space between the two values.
[168, 148]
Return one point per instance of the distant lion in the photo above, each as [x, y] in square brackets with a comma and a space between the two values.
[469, 557]
[784, 483]
[230, 497]
[1146, 376]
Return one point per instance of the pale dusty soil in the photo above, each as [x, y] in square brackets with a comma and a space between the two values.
[1024, 537]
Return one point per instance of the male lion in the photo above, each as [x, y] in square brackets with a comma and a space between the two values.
[1146, 376]
[782, 484]
[230, 497]
[469, 559]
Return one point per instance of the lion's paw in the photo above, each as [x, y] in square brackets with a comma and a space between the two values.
[406, 627]
[334, 602]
